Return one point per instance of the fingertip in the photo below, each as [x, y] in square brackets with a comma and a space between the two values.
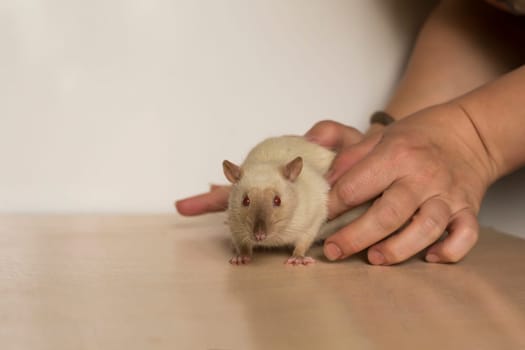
[375, 257]
[437, 255]
[432, 258]
[179, 206]
[332, 251]
[183, 208]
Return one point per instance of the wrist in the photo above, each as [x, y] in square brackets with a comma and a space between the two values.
[468, 130]
[496, 112]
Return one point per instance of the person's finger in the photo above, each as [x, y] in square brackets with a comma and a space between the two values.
[213, 201]
[349, 156]
[462, 235]
[333, 135]
[214, 187]
[367, 179]
[388, 213]
[425, 228]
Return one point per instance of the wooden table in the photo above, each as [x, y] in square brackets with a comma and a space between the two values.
[163, 282]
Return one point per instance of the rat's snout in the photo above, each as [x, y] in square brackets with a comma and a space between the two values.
[259, 229]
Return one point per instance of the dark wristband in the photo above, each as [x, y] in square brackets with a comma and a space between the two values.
[382, 118]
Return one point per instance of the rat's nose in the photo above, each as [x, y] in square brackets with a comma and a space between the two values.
[259, 229]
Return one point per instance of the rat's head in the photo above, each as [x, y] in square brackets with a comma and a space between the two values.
[263, 199]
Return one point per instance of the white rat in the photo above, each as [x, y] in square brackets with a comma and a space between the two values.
[279, 198]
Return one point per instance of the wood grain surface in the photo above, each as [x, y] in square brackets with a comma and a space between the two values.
[163, 282]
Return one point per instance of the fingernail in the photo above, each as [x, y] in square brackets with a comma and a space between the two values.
[433, 258]
[179, 207]
[332, 251]
[375, 257]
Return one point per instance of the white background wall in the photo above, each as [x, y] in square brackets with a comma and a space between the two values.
[123, 106]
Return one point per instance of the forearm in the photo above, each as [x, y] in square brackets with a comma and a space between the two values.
[457, 50]
[497, 112]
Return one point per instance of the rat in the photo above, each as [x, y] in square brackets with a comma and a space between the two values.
[279, 198]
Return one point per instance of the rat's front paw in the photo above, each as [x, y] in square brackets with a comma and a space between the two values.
[300, 260]
[240, 260]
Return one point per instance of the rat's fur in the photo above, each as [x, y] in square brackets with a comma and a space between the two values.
[292, 169]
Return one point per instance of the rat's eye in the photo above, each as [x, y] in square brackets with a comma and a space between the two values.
[276, 201]
[246, 201]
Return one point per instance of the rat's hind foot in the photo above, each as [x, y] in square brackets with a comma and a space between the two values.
[300, 260]
[240, 260]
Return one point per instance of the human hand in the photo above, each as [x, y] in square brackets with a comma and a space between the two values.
[430, 170]
[214, 200]
[339, 138]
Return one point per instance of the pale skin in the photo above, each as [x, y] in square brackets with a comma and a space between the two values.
[460, 126]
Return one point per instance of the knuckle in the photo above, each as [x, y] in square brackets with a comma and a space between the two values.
[401, 145]
[389, 216]
[470, 231]
[326, 126]
[433, 225]
[403, 156]
[472, 236]
[451, 255]
[465, 240]
[404, 153]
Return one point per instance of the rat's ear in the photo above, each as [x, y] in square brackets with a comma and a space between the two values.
[232, 172]
[293, 169]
